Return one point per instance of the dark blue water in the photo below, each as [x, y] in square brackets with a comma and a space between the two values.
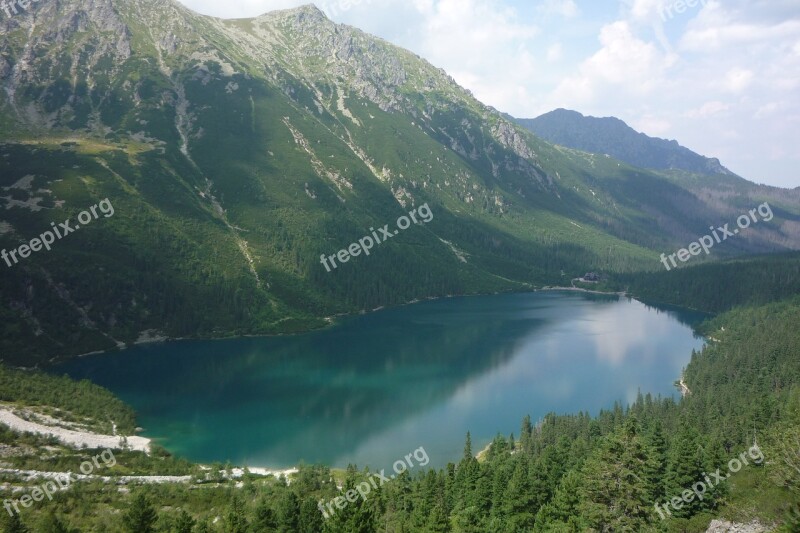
[379, 386]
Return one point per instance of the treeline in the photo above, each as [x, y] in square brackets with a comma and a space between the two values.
[73, 401]
[717, 287]
[565, 473]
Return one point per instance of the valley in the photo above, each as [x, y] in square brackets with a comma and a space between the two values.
[580, 301]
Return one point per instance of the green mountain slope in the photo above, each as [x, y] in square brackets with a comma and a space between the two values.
[614, 137]
[236, 152]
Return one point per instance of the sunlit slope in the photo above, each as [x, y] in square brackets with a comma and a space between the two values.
[236, 153]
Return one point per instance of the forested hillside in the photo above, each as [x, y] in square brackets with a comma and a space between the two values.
[233, 158]
[235, 153]
[566, 472]
[718, 287]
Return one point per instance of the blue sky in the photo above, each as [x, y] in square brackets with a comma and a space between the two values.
[723, 78]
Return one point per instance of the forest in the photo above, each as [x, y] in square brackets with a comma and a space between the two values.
[566, 472]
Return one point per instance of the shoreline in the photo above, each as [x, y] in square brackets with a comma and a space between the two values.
[579, 289]
[154, 337]
[81, 438]
[331, 321]
[76, 438]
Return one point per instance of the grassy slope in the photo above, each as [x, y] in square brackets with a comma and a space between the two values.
[176, 255]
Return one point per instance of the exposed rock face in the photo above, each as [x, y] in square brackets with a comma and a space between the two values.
[117, 52]
[254, 144]
[721, 526]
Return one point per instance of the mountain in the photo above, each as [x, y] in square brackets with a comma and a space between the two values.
[614, 137]
[236, 153]
[704, 177]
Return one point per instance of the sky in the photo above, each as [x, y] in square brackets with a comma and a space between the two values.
[720, 77]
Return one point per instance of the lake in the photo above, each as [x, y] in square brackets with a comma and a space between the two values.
[378, 386]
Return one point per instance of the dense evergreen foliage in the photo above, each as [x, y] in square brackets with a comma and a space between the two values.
[718, 287]
[562, 473]
[67, 399]
[233, 161]
[231, 173]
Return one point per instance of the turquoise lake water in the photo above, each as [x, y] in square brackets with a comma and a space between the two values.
[376, 387]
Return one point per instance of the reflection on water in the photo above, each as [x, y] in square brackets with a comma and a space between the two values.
[378, 386]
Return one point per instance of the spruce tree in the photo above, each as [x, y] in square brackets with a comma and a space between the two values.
[184, 523]
[288, 512]
[265, 519]
[685, 468]
[236, 521]
[518, 506]
[52, 524]
[311, 519]
[13, 524]
[615, 496]
[141, 516]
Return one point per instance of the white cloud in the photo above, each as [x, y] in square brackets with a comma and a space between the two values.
[241, 8]
[767, 110]
[554, 53]
[686, 94]
[624, 64]
[486, 47]
[717, 32]
[564, 8]
[645, 10]
[652, 125]
[709, 109]
[738, 79]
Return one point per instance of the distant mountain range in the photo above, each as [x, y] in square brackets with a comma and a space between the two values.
[614, 137]
[236, 152]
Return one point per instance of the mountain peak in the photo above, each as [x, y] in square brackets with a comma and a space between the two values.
[306, 11]
[612, 136]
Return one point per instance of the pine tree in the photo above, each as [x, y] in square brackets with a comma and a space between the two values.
[184, 523]
[13, 524]
[358, 516]
[265, 519]
[685, 467]
[236, 520]
[288, 512]
[657, 472]
[518, 505]
[52, 524]
[311, 519]
[141, 516]
[468, 456]
[563, 507]
[438, 521]
[614, 496]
